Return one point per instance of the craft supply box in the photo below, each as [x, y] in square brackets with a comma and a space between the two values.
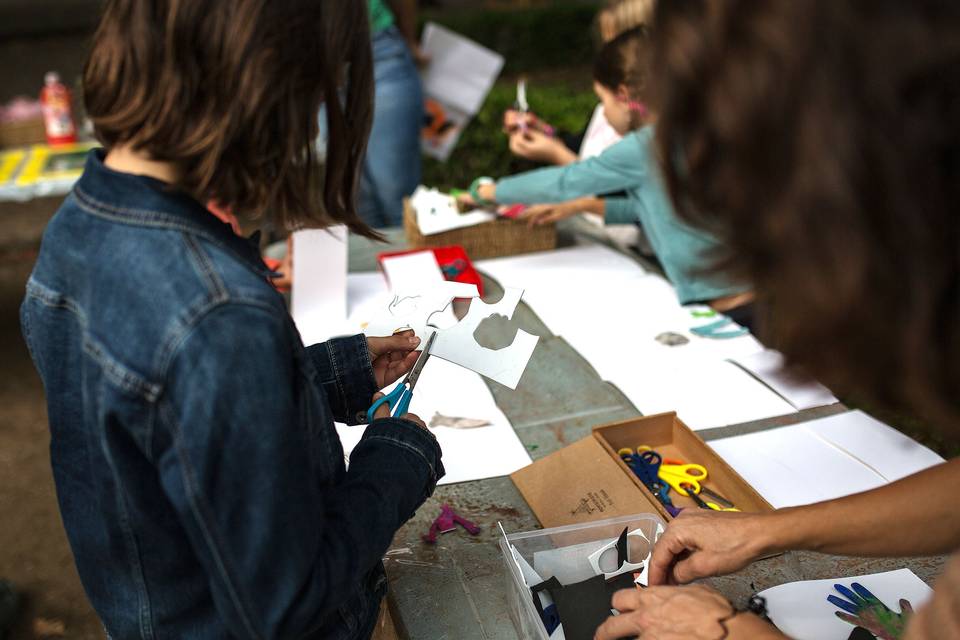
[588, 480]
[500, 237]
[589, 536]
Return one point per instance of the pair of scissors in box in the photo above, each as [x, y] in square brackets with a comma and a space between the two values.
[678, 475]
[708, 505]
[399, 399]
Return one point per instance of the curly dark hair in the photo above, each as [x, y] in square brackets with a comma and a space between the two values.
[230, 93]
[822, 138]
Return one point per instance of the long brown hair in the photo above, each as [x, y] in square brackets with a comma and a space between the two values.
[230, 93]
[824, 138]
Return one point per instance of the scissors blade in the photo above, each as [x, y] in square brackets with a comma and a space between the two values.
[522, 95]
[414, 374]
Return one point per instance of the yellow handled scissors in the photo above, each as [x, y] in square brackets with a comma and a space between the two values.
[700, 502]
[677, 475]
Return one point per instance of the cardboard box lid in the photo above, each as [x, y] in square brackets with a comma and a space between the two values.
[579, 483]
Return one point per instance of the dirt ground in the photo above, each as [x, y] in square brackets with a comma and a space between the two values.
[34, 552]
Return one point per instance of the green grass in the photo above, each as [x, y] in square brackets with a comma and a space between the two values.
[528, 38]
[483, 150]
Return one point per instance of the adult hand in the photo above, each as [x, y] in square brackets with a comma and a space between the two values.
[383, 411]
[667, 613]
[539, 147]
[392, 357]
[940, 617]
[540, 214]
[698, 544]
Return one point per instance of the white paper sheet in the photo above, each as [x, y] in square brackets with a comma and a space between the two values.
[413, 271]
[792, 466]
[437, 212]
[455, 84]
[611, 311]
[468, 454]
[880, 447]
[704, 393]
[461, 72]
[768, 367]
[319, 296]
[801, 611]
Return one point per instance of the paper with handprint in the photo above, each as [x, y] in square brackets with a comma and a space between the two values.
[801, 610]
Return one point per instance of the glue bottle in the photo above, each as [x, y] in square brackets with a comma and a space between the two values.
[57, 114]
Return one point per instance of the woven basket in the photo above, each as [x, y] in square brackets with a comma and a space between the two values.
[500, 237]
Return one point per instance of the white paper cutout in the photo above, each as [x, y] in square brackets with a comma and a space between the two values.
[437, 212]
[457, 344]
[626, 567]
[413, 309]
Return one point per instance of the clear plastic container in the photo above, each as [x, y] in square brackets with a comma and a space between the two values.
[578, 541]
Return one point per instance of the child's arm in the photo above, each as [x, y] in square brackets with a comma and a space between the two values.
[623, 166]
[284, 535]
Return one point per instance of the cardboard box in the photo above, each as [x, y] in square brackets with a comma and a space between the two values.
[500, 237]
[23, 133]
[588, 481]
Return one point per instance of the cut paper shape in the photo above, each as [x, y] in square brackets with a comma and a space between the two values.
[622, 564]
[583, 606]
[414, 309]
[437, 212]
[440, 420]
[458, 345]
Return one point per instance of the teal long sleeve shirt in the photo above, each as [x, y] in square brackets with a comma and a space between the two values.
[631, 166]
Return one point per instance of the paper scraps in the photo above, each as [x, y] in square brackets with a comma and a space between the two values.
[439, 420]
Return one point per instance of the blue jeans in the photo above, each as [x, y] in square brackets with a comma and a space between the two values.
[391, 169]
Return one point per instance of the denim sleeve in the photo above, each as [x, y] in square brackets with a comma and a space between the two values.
[249, 476]
[621, 167]
[346, 375]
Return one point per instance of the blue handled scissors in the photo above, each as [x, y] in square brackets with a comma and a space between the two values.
[399, 399]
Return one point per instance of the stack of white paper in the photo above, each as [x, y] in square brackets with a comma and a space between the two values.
[801, 611]
[824, 459]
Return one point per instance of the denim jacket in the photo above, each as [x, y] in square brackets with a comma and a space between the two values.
[200, 478]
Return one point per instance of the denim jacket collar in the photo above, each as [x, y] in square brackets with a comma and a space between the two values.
[103, 192]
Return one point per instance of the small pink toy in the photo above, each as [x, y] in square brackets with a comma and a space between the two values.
[447, 521]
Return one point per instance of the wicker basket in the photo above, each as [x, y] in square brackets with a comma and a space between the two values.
[500, 237]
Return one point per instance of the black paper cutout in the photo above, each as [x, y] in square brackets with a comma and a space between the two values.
[550, 586]
[859, 633]
[583, 607]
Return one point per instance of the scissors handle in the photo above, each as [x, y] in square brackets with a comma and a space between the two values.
[398, 400]
[691, 471]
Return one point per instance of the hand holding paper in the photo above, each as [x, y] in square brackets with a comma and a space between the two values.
[392, 356]
[700, 544]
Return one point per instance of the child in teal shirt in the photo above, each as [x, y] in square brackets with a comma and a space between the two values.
[629, 167]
